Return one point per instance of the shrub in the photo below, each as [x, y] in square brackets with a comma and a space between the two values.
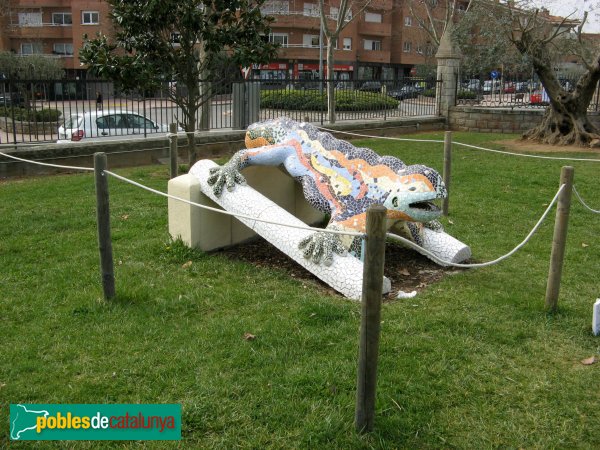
[466, 95]
[314, 101]
[30, 115]
[429, 93]
[47, 115]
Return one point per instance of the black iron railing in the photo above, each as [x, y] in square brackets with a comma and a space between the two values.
[35, 111]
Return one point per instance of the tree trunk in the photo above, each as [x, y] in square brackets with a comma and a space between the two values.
[191, 148]
[563, 128]
[330, 83]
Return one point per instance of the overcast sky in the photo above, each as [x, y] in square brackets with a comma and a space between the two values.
[577, 7]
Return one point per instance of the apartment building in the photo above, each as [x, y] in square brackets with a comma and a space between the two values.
[383, 42]
[363, 46]
[53, 27]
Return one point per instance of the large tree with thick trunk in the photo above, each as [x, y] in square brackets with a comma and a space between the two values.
[545, 41]
[566, 121]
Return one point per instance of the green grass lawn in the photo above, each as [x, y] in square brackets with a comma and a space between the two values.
[471, 362]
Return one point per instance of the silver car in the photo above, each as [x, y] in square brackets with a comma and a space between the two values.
[105, 123]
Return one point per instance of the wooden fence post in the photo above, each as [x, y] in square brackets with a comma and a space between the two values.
[447, 169]
[370, 318]
[173, 150]
[559, 239]
[103, 220]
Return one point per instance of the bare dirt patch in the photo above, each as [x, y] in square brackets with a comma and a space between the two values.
[520, 146]
[407, 270]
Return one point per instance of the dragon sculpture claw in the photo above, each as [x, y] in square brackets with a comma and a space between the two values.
[321, 246]
[227, 175]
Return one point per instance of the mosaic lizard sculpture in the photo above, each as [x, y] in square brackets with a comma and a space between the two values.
[341, 180]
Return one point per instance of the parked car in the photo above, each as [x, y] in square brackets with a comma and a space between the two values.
[345, 85]
[472, 85]
[404, 92]
[371, 86]
[491, 86]
[420, 86]
[539, 98]
[509, 87]
[13, 99]
[98, 124]
[521, 86]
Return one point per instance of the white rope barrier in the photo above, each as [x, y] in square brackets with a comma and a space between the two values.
[489, 263]
[525, 155]
[221, 211]
[323, 230]
[78, 156]
[379, 137]
[47, 164]
[595, 211]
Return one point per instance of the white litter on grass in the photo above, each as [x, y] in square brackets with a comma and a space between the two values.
[402, 294]
[596, 318]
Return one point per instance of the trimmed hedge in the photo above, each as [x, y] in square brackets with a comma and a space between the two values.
[30, 115]
[466, 95]
[314, 101]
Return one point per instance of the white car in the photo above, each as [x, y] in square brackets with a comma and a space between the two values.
[104, 123]
[491, 86]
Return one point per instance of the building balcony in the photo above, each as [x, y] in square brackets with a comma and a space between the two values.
[300, 52]
[31, 4]
[375, 29]
[374, 56]
[46, 31]
[303, 52]
[381, 5]
[296, 20]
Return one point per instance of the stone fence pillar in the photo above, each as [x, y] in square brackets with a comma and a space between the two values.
[448, 57]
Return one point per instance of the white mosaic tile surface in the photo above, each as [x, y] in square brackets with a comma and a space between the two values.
[445, 247]
[344, 275]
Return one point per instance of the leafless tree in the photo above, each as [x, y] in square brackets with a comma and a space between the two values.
[348, 10]
[545, 40]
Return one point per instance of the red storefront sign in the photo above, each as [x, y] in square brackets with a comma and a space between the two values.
[315, 67]
[271, 66]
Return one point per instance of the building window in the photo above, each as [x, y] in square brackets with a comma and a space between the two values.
[310, 40]
[62, 19]
[334, 12]
[407, 21]
[372, 44]
[419, 49]
[273, 7]
[347, 43]
[372, 17]
[407, 47]
[90, 18]
[31, 48]
[311, 9]
[30, 19]
[65, 49]
[461, 7]
[279, 38]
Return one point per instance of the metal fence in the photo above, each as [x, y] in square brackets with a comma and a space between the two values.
[34, 111]
[512, 92]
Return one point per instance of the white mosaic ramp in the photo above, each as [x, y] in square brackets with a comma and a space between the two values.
[344, 275]
[445, 247]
